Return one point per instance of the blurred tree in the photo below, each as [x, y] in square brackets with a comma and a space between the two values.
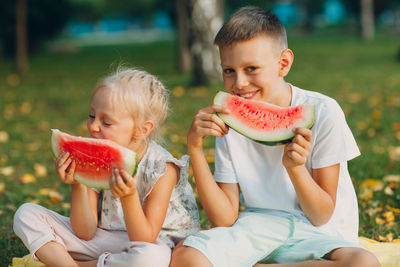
[21, 37]
[184, 56]
[45, 18]
[373, 8]
[205, 21]
[367, 19]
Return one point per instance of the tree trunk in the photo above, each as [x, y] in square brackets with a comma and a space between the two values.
[367, 19]
[185, 60]
[206, 20]
[21, 37]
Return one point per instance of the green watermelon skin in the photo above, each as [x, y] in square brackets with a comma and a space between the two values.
[94, 158]
[263, 122]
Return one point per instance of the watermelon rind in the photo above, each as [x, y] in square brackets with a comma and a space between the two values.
[270, 138]
[130, 159]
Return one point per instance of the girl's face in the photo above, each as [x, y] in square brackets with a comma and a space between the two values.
[109, 121]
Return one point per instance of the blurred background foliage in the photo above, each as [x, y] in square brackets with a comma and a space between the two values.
[347, 49]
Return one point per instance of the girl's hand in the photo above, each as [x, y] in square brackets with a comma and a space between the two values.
[65, 168]
[206, 123]
[122, 184]
[297, 152]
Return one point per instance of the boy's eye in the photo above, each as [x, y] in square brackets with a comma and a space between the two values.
[228, 71]
[91, 116]
[251, 68]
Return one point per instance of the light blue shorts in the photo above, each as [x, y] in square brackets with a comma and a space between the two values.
[263, 237]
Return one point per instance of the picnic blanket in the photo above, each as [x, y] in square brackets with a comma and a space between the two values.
[387, 253]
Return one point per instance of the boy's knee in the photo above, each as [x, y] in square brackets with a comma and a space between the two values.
[188, 257]
[360, 257]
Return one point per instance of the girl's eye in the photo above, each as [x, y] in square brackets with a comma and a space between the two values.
[106, 123]
[92, 117]
[251, 68]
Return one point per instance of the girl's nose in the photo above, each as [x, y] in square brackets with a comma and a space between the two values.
[93, 125]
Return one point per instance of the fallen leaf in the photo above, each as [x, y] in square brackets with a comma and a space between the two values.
[7, 171]
[2, 187]
[40, 170]
[3, 137]
[178, 91]
[391, 178]
[27, 178]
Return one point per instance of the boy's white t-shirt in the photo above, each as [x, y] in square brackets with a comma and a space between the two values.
[263, 179]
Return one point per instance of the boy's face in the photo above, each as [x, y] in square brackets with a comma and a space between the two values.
[251, 69]
[109, 121]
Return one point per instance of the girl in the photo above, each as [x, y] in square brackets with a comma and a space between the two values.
[140, 218]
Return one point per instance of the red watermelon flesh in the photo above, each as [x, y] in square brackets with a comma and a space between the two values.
[94, 158]
[263, 122]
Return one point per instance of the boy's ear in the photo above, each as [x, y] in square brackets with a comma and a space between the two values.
[285, 62]
[144, 131]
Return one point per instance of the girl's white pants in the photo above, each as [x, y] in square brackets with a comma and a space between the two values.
[36, 226]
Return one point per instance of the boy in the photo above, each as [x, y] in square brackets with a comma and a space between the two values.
[300, 205]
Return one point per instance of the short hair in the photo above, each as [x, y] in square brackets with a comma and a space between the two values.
[247, 23]
[141, 93]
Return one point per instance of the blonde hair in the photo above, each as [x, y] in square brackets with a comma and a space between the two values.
[141, 93]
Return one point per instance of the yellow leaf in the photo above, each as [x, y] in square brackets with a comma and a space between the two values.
[3, 137]
[40, 170]
[55, 196]
[27, 178]
[391, 178]
[366, 194]
[7, 171]
[389, 216]
[395, 210]
[13, 80]
[44, 191]
[374, 185]
[2, 187]
[178, 91]
[388, 191]
[26, 107]
[354, 97]
[379, 221]
[394, 153]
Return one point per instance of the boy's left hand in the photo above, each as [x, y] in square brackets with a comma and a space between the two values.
[296, 152]
[122, 184]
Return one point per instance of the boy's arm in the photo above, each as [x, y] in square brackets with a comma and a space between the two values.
[220, 201]
[316, 193]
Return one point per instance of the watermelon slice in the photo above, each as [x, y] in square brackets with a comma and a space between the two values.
[263, 122]
[94, 158]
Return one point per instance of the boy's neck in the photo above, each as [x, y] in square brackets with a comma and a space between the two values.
[282, 95]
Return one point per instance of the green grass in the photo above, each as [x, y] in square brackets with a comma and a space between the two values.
[363, 77]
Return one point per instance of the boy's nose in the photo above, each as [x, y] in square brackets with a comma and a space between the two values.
[241, 81]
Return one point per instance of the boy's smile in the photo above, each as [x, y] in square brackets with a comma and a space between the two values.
[254, 69]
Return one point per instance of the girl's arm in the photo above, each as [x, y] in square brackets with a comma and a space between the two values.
[84, 201]
[83, 216]
[220, 201]
[316, 193]
[144, 224]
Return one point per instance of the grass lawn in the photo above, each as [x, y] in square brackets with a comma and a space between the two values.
[364, 78]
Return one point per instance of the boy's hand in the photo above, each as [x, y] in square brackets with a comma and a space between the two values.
[206, 123]
[296, 152]
[65, 168]
[122, 184]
